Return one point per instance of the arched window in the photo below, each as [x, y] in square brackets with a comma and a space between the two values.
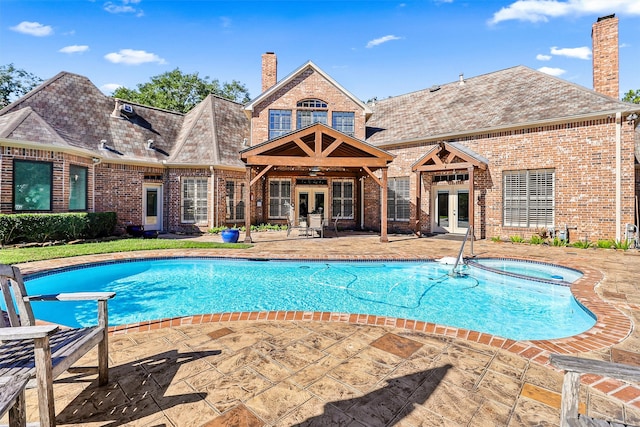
[311, 111]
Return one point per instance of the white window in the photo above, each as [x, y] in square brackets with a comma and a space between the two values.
[235, 200]
[279, 197]
[194, 200]
[279, 122]
[342, 199]
[344, 121]
[528, 198]
[398, 208]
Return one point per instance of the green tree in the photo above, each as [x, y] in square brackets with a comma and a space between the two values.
[15, 83]
[177, 91]
[632, 96]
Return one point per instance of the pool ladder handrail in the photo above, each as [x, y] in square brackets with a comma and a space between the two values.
[459, 257]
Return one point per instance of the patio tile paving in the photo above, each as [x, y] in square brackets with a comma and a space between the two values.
[352, 371]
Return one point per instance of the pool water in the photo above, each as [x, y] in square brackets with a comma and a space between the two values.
[532, 269]
[478, 300]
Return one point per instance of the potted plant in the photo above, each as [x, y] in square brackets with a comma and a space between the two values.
[230, 235]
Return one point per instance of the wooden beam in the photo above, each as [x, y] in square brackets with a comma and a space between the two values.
[443, 167]
[472, 199]
[262, 172]
[418, 203]
[335, 144]
[247, 207]
[327, 162]
[304, 147]
[383, 208]
[375, 178]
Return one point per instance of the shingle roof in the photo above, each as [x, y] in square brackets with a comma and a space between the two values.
[68, 110]
[213, 133]
[504, 98]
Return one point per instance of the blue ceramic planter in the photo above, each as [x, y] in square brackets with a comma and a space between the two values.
[230, 235]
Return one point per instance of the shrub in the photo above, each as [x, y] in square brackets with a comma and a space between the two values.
[559, 242]
[496, 239]
[536, 240]
[516, 239]
[583, 244]
[63, 226]
[604, 244]
[624, 244]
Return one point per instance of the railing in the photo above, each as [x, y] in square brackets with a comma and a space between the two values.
[459, 257]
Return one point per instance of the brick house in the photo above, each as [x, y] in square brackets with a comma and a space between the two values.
[509, 153]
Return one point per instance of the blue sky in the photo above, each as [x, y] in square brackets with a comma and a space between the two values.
[374, 48]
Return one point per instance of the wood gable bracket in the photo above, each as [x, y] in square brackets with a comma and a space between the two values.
[448, 156]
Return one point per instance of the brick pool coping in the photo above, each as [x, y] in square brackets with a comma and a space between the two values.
[612, 325]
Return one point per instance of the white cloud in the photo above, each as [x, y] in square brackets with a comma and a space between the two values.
[552, 71]
[583, 52]
[541, 57]
[133, 57]
[124, 6]
[376, 42]
[33, 29]
[543, 10]
[74, 49]
[109, 88]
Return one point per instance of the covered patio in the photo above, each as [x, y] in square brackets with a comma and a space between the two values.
[313, 156]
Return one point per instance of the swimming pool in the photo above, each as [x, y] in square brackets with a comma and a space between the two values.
[479, 300]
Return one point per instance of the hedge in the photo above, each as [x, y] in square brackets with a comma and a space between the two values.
[64, 226]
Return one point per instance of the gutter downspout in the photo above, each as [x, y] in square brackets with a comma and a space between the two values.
[618, 175]
[212, 218]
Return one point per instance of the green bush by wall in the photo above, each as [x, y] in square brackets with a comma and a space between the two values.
[63, 226]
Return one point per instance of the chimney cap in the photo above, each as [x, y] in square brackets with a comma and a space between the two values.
[269, 53]
[602, 18]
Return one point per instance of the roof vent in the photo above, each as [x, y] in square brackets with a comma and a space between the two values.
[434, 88]
[127, 110]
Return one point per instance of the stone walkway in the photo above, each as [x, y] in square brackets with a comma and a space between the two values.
[319, 369]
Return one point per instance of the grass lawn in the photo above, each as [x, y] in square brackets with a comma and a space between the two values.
[18, 255]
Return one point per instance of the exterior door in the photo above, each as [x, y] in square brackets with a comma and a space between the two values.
[310, 200]
[451, 209]
[152, 205]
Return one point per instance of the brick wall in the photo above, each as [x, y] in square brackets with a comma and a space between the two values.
[605, 56]
[309, 84]
[60, 184]
[583, 157]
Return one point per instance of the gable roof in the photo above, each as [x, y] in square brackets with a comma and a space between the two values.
[512, 97]
[282, 83]
[316, 145]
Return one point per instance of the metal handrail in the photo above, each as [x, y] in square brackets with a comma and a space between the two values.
[459, 257]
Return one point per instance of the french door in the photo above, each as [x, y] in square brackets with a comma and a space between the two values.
[450, 209]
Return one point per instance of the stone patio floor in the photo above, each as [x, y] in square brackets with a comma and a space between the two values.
[322, 369]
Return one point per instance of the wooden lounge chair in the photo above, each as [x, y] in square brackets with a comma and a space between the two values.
[576, 366]
[12, 399]
[43, 352]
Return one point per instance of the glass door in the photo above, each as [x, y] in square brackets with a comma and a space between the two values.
[152, 203]
[451, 210]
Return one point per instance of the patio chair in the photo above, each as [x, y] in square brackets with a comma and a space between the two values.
[576, 366]
[12, 399]
[43, 352]
[315, 223]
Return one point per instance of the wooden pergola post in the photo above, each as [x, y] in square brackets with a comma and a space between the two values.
[247, 206]
[383, 208]
[418, 202]
[471, 202]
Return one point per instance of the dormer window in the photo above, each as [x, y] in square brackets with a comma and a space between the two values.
[311, 111]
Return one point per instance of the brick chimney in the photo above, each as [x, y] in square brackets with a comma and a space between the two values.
[604, 36]
[269, 70]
